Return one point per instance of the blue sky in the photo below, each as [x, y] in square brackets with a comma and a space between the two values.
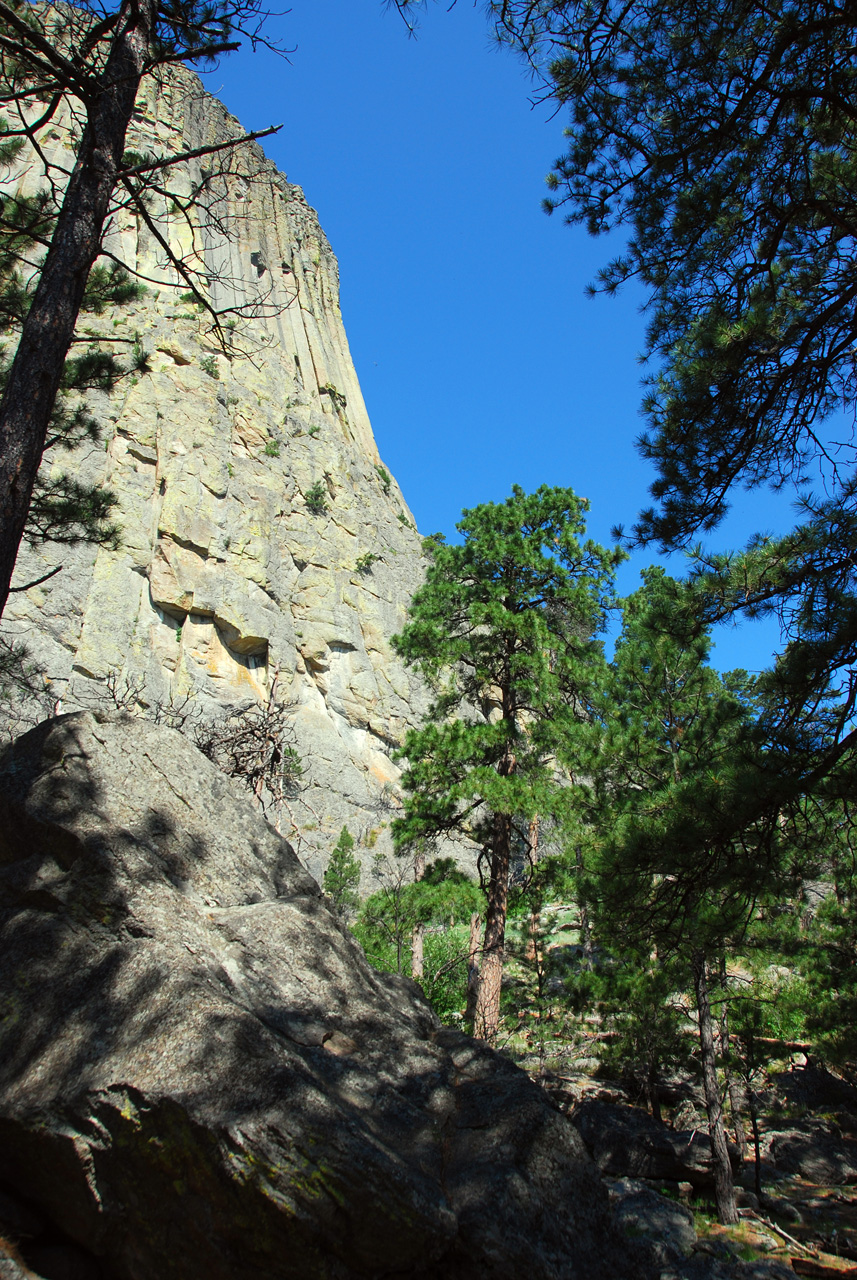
[482, 362]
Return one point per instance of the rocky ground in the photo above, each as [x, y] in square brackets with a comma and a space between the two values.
[803, 1223]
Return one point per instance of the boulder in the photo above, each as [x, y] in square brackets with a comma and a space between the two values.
[626, 1142]
[814, 1088]
[640, 1211]
[815, 1151]
[200, 1074]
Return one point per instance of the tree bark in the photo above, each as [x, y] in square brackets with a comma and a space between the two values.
[651, 1088]
[472, 969]
[732, 1087]
[417, 953]
[724, 1189]
[486, 1020]
[757, 1149]
[47, 332]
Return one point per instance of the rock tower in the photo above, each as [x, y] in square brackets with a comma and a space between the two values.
[261, 535]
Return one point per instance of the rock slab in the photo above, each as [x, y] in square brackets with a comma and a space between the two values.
[200, 1074]
[627, 1143]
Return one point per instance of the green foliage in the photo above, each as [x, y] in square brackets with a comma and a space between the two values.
[208, 364]
[26, 694]
[365, 562]
[316, 498]
[639, 1006]
[313, 430]
[431, 542]
[442, 901]
[723, 139]
[676, 771]
[504, 621]
[272, 448]
[384, 477]
[342, 877]
[63, 508]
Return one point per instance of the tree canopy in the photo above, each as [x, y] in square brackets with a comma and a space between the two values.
[721, 138]
[504, 628]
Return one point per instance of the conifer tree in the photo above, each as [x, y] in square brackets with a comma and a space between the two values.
[342, 877]
[62, 508]
[673, 763]
[504, 628]
[722, 135]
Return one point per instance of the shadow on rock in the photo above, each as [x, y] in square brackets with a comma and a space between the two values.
[201, 1075]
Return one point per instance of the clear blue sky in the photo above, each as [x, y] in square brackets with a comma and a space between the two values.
[482, 362]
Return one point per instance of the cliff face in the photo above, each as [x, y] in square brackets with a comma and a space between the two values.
[250, 487]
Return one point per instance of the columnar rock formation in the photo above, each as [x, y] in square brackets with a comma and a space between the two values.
[261, 534]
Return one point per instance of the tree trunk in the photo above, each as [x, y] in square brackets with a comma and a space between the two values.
[651, 1088]
[417, 957]
[472, 969]
[723, 1187]
[585, 925]
[486, 1020]
[47, 332]
[732, 1087]
[757, 1150]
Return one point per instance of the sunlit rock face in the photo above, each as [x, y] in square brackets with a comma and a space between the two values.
[249, 485]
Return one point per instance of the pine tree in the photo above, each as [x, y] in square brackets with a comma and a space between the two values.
[675, 762]
[721, 134]
[342, 877]
[504, 629]
[439, 903]
[62, 508]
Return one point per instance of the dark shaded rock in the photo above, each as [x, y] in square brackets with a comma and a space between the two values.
[18, 1220]
[641, 1212]
[709, 1267]
[810, 1148]
[201, 1076]
[626, 1142]
[63, 1262]
[813, 1087]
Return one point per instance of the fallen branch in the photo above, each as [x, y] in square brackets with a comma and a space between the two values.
[749, 1213]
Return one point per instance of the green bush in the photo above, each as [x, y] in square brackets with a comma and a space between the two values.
[316, 498]
[365, 562]
[342, 877]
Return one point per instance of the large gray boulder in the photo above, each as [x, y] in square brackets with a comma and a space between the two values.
[814, 1150]
[200, 1074]
[626, 1142]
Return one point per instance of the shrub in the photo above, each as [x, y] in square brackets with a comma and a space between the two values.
[365, 562]
[316, 498]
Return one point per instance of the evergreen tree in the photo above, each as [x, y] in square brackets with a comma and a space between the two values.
[62, 508]
[637, 999]
[504, 629]
[439, 903]
[342, 877]
[722, 134]
[673, 761]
